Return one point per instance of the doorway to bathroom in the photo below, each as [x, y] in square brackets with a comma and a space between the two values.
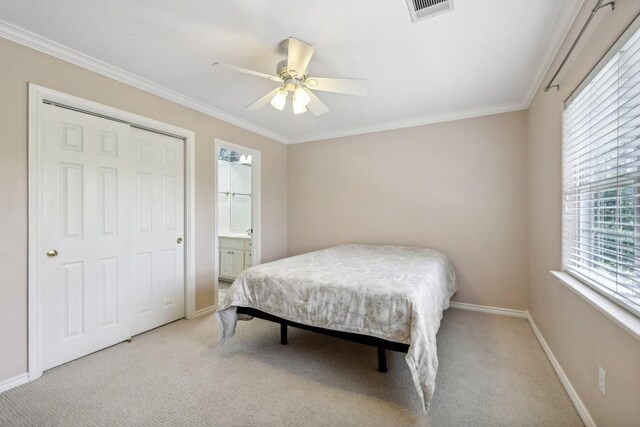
[237, 211]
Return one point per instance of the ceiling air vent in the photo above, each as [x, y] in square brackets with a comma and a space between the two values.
[423, 9]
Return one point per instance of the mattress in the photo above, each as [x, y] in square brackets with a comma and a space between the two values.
[396, 293]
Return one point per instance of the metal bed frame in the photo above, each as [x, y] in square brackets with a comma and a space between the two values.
[381, 344]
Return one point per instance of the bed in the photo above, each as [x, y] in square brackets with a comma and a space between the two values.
[391, 297]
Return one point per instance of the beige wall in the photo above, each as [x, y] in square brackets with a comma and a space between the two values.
[21, 65]
[486, 191]
[458, 187]
[580, 337]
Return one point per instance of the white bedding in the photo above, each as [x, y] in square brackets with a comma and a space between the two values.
[396, 293]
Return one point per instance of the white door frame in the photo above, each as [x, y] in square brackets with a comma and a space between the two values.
[37, 94]
[256, 220]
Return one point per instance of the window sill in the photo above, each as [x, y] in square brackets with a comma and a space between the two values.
[624, 318]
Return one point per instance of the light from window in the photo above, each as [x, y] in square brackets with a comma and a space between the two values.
[601, 177]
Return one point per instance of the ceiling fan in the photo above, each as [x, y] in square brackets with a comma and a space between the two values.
[292, 75]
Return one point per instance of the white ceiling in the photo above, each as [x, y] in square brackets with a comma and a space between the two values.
[486, 56]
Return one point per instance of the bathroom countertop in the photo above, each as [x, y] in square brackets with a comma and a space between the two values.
[235, 235]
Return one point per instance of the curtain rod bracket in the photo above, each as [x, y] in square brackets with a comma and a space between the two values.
[595, 10]
[611, 3]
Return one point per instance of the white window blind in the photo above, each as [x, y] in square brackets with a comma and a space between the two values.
[601, 176]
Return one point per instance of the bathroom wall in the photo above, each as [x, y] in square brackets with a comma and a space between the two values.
[234, 211]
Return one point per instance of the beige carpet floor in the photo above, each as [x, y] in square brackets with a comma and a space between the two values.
[492, 372]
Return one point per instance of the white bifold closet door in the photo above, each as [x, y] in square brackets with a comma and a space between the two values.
[111, 224]
[85, 275]
[158, 227]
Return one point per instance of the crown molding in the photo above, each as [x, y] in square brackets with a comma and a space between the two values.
[50, 47]
[566, 20]
[560, 34]
[412, 122]
[42, 44]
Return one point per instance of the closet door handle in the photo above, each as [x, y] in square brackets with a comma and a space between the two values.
[179, 240]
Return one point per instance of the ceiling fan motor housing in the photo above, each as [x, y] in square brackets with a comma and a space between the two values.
[290, 78]
[281, 68]
[283, 46]
[291, 74]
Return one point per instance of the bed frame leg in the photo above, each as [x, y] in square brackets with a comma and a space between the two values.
[283, 334]
[382, 359]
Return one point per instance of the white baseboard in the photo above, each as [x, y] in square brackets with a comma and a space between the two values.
[573, 395]
[204, 311]
[488, 309]
[50, 47]
[14, 382]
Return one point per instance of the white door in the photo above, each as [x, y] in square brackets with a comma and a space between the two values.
[84, 223]
[158, 229]
[226, 263]
[237, 262]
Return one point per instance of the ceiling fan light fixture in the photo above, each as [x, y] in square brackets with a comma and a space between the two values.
[299, 108]
[292, 75]
[301, 96]
[300, 100]
[279, 99]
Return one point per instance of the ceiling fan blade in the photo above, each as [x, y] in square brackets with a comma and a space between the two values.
[316, 106]
[299, 54]
[346, 86]
[263, 101]
[250, 72]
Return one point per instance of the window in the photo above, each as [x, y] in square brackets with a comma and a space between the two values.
[601, 176]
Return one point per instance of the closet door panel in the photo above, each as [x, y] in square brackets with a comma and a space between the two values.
[158, 229]
[84, 264]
